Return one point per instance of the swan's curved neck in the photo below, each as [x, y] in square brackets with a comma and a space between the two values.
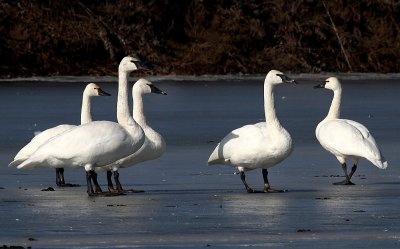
[138, 111]
[86, 116]
[123, 115]
[269, 106]
[334, 110]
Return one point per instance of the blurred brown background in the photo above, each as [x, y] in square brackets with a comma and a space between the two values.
[198, 37]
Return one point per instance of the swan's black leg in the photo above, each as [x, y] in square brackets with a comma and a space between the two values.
[90, 190]
[96, 184]
[58, 180]
[62, 176]
[267, 186]
[347, 180]
[353, 170]
[91, 176]
[118, 185]
[109, 182]
[243, 178]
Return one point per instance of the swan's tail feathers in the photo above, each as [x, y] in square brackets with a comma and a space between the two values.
[16, 162]
[382, 164]
[215, 158]
[29, 164]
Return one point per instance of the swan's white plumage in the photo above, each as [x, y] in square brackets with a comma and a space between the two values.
[252, 146]
[359, 142]
[91, 145]
[346, 138]
[154, 145]
[91, 90]
[98, 143]
[37, 141]
[260, 145]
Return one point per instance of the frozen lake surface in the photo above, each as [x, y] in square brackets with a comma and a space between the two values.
[187, 204]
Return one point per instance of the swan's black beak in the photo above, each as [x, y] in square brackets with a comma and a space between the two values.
[286, 79]
[143, 66]
[157, 90]
[102, 93]
[320, 86]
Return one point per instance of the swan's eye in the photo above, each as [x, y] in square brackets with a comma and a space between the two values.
[151, 87]
[282, 76]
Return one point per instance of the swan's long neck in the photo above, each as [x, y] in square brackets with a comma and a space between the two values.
[334, 110]
[138, 112]
[269, 106]
[123, 115]
[86, 116]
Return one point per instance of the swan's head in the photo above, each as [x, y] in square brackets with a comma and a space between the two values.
[93, 90]
[143, 86]
[129, 64]
[275, 77]
[331, 83]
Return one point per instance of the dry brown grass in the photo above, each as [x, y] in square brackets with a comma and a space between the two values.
[198, 36]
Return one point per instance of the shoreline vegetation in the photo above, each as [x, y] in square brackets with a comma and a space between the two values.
[199, 37]
[203, 78]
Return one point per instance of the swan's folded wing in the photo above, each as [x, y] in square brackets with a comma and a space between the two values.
[100, 142]
[37, 141]
[238, 145]
[347, 137]
[372, 150]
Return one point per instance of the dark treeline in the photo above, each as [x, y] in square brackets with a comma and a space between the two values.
[199, 37]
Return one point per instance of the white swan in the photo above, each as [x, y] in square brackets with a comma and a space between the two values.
[346, 138]
[154, 145]
[260, 145]
[91, 90]
[98, 143]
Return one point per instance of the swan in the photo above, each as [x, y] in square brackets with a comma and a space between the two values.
[98, 143]
[260, 145]
[154, 145]
[346, 138]
[91, 90]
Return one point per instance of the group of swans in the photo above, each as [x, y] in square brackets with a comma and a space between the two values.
[109, 146]
[265, 144]
[106, 144]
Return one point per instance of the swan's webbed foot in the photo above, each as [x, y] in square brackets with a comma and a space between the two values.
[118, 184]
[105, 194]
[266, 190]
[123, 191]
[267, 186]
[250, 190]
[271, 190]
[347, 181]
[344, 182]
[112, 190]
[256, 192]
